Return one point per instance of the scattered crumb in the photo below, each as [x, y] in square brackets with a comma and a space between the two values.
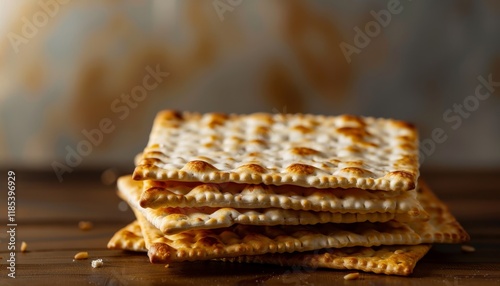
[97, 263]
[167, 265]
[81, 255]
[24, 246]
[85, 225]
[352, 276]
[399, 251]
[468, 248]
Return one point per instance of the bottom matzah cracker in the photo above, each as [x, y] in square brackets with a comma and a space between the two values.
[128, 238]
[384, 259]
[241, 240]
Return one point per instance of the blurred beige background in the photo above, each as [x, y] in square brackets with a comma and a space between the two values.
[98, 71]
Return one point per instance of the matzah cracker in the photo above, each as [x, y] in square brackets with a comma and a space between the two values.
[128, 238]
[384, 259]
[294, 149]
[174, 220]
[189, 194]
[391, 260]
[241, 240]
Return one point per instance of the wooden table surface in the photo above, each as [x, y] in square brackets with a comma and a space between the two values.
[48, 213]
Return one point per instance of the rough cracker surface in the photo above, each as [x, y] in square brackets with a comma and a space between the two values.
[128, 238]
[297, 149]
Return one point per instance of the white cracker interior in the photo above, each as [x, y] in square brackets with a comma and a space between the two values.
[297, 149]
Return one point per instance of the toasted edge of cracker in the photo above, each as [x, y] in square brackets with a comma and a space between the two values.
[128, 238]
[378, 259]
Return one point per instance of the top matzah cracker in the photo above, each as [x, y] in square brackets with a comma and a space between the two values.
[296, 149]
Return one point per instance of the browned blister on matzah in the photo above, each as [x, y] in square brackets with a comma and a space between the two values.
[384, 259]
[158, 194]
[173, 220]
[128, 238]
[254, 240]
[282, 149]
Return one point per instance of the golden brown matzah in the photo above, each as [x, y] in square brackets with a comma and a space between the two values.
[128, 238]
[384, 259]
[392, 260]
[174, 220]
[241, 240]
[189, 194]
[295, 149]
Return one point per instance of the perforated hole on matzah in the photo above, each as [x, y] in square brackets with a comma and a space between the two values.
[296, 149]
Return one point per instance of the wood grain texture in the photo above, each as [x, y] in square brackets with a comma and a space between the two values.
[48, 214]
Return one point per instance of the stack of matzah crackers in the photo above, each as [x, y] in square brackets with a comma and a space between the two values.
[337, 192]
